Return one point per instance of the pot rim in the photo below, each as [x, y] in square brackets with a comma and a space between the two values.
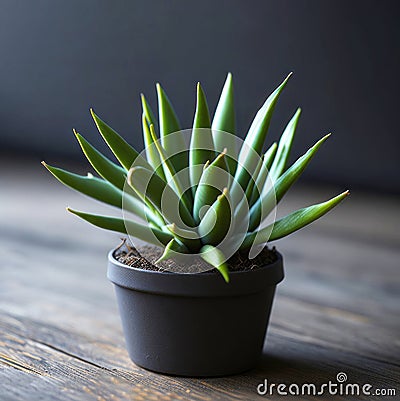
[205, 284]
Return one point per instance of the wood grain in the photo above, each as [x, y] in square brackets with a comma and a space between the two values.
[60, 336]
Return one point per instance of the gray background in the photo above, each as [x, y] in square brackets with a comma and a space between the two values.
[58, 58]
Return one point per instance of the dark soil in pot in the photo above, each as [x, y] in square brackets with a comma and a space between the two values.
[194, 324]
[145, 259]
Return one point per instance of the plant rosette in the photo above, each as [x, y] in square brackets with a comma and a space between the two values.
[198, 303]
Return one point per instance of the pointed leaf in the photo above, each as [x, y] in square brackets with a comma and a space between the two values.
[252, 181]
[103, 166]
[214, 179]
[244, 205]
[293, 222]
[189, 238]
[215, 258]
[172, 250]
[141, 231]
[237, 189]
[88, 185]
[168, 119]
[171, 176]
[268, 159]
[201, 143]
[116, 175]
[151, 187]
[216, 222]
[202, 115]
[104, 192]
[124, 152]
[152, 153]
[256, 136]
[147, 111]
[285, 145]
[258, 129]
[224, 120]
[171, 139]
[224, 116]
[266, 203]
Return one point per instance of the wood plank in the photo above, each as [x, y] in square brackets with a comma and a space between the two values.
[60, 334]
[80, 367]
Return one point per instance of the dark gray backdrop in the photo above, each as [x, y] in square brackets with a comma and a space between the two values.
[58, 58]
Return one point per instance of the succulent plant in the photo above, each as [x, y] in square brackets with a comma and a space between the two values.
[191, 198]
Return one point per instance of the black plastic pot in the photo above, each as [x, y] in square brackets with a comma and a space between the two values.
[194, 324]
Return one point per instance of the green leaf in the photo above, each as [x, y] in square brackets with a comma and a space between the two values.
[147, 111]
[152, 154]
[293, 222]
[202, 114]
[256, 136]
[268, 159]
[103, 166]
[224, 120]
[88, 185]
[268, 200]
[252, 181]
[259, 127]
[214, 179]
[215, 224]
[168, 119]
[124, 152]
[171, 176]
[215, 258]
[189, 238]
[171, 139]
[116, 175]
[130, 227]
[224, 116]
[150, 186]
[172, 250]
[238, 188]
[201, 143]
[244, 205]
[285, 145]
[102, 191]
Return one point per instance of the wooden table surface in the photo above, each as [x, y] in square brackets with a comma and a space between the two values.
[338, 309]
